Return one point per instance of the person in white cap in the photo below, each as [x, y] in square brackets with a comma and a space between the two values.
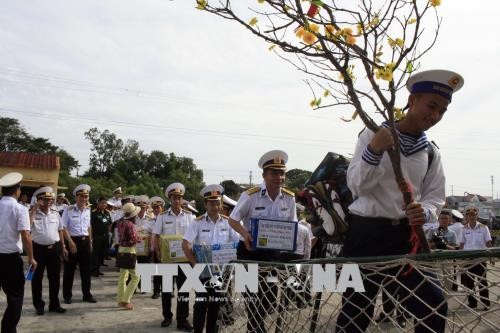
[48, 248]
[61, 202]
[78, 235]
[158, 206]
[268, 200]
[210, 228]
[128, 239]
[14, 235]
[116, 199]
[174, 221]
[475, 236]
[144, 226]
[378, 225]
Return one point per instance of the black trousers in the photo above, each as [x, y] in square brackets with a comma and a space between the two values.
[206, 310]
[182, 312]
[259, 304]
[82, 258]
[378, 237]
[468, 280]
[12, 283]
[47, 257]
[99, 251]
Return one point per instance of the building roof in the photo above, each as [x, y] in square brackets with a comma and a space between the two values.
[29, 160]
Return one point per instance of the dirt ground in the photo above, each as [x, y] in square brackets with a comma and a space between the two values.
[104, 316]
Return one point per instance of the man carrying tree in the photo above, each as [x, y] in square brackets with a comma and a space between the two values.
[380, 224]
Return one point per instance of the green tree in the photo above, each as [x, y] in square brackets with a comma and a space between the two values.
[296, 178]
[106, 149]
[13, 137]
[231, 189]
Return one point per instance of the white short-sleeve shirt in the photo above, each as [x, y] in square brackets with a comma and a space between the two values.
[304, 238]
[45, 227]
[475, 238]
[167, 223]
[258, 204]
[14, 218]
[77, 222]
[207, 232]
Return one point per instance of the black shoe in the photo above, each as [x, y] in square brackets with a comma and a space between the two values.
[100, 273]
[40, 311]
[90, 299]
[472, 306]
[67, 301]
[184, 325]
[166, 322]
[155, 296]
[105, 265]
[95, 274]
[58, 310]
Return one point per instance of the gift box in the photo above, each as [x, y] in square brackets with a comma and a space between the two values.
[171, 249]
[142, 248]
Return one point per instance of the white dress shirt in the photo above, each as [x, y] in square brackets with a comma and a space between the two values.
[77, 222]
[45, 227]
[14, 218]
[167, 223]
[475, 238]
[207, 232]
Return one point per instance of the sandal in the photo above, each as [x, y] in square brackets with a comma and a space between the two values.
[128, 306]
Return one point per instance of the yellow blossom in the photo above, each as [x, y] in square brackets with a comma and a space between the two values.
[396, 42]
[385, 73]
[348, 37]
[201, 4]
[272, 47]
[300, 32]
[253, 21]
[412, 20]
[315, 102]
[398, 114]
[326, 93]
[435, 3]
[309, 38]
[374, 21]
[360, 28]
[313, 28]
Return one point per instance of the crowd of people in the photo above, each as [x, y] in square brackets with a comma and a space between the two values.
[58, 235]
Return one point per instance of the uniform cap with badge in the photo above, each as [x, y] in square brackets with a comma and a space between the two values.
[212, 192]
[156, 201]
[130, 210]
[142, 200]
[175, 189]
[436, 81]
[45, 192]
[274, 159]
[82, 189]
[117, 190]
[10, 179]
[227, 201]
[61, 195]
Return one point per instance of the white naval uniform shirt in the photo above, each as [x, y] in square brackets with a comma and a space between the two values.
[475, 238]
[116, 201]
[260, 205]
[60, 207]
[45, 227]
[167, 223]
[371, 179]
[304, 238]
[207, 232]
[458, 228]
[77, 222]
[144, 224]
[14, 218]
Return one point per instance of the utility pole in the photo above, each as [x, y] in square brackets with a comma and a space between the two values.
[250, 178]
[451, 190]
[492, 182]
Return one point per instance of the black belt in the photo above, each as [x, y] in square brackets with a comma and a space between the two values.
[47, 246]
[80, 237]
[14, 254]
[379, 220]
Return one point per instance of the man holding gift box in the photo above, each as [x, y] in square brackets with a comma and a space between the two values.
[174, 221]
[270, 200]
[209, 229]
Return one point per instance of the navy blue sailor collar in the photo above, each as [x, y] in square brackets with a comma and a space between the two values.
[409, 144]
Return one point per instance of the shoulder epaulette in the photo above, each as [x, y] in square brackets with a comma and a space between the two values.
[94, 210]
[199, 218]
[187, 211]
[287, 191]
[253, 190]
[163, 213]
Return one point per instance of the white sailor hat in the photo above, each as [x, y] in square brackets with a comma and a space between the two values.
[45, 192]
[82, 189]
[212, 192]
[141, 200]
[110, 203]
[274, 159]
[456, 214]
[157, 201]
[228, 201]
[11, 179]
[130, 197]
[117, 190]
[175, 189]
[130, 209]
[189, 205]
[436, 81]
[61, 195]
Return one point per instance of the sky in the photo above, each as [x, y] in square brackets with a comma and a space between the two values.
[180, 80]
